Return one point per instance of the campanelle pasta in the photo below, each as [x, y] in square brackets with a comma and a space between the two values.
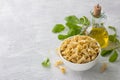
[79, 49]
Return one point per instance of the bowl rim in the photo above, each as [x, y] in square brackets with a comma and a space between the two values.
[81, 63]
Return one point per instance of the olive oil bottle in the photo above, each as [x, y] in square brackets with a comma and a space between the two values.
[101, 35]
[98, 30]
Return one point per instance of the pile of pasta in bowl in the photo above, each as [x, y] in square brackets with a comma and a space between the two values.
[79, 52]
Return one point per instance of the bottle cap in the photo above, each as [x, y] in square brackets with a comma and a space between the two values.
[97, 11]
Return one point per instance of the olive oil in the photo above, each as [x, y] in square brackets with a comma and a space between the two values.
[101, 35]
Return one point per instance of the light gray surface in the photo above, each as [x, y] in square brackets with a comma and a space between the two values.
[26, 38]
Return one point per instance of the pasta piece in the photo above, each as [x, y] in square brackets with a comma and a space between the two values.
[59, 62]
[103, 67]
[62, 69]
[73, 60]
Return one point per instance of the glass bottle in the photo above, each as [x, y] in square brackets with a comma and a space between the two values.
[98, 30]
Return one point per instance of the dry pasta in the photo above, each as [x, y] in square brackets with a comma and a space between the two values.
[58, 62]
[79, 49]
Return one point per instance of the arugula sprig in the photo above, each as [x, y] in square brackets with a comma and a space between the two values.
[113, 38]
[75, 25]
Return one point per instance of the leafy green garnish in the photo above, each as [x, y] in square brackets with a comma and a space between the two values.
[62, 37]
[46, 63]
[58, 28]
[113, 38]
[73, 32]
[72, 19]
[115, 43]
[73, 26]
[76, 26]
[106, 52]
[113, 57]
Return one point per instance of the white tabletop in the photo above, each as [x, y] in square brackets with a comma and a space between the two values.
[26, 38]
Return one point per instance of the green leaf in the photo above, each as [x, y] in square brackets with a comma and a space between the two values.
[84, 20]
[62, 37]
[73, 29]
[113, 57]
[106, 52]
[73, 32]
[112, 28]
[72, 19]
[46, 63]
[73, 26]
[77, 31]
[113, 38]
[58, 28]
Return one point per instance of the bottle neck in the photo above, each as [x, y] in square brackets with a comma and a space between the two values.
[98, 21]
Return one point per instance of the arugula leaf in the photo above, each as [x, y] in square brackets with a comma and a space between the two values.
[72, 19]
[62, 37]
[58, 28]
[113, 57]
[106, 52]
[46, 63]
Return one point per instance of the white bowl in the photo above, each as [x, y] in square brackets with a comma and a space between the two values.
[80, 67]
